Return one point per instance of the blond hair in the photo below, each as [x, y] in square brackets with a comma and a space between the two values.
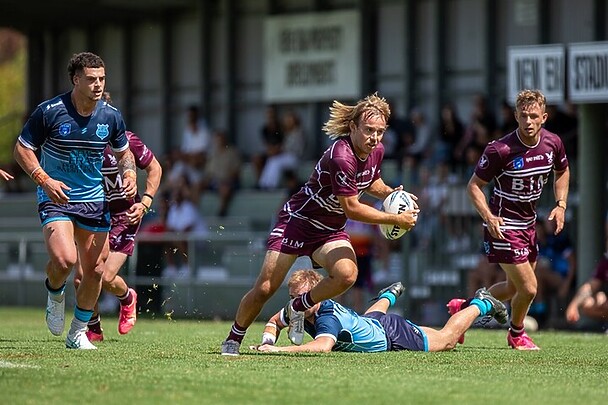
[526, 98]
[304, 277]
[340, 115]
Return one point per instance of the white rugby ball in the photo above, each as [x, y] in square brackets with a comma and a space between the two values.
[396, 203]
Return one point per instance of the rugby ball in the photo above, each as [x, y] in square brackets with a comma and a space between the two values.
[396, 203]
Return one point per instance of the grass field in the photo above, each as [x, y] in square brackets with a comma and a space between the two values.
[177, 361]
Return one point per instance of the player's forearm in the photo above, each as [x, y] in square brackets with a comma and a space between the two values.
[562, 185]
[379, 189]
[478, 199]
[126, 162]
[154, 174]
[26, 158]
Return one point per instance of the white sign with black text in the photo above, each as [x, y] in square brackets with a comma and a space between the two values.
[538, 68]
[312, 57]
[588, 72]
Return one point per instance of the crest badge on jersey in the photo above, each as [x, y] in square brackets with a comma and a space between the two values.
[483, 162]
[518, 163]
[65, 129]
[341, 178]
[102, 131]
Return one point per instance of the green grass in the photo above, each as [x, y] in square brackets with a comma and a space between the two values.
[177, 361]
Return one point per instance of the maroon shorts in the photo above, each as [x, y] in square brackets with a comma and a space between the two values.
[296, 237]
[519, 246]
[122, 234]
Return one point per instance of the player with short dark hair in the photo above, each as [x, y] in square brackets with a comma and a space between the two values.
[72, 131]
[312, 221]
[519, 164]
[338, 328]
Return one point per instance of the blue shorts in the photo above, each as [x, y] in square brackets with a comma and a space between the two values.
[91, 216]
[401, 334]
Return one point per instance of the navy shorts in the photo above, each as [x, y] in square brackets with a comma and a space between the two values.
[91, 216]
[401, 334]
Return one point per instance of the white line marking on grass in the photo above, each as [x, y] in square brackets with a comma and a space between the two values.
[8, 364]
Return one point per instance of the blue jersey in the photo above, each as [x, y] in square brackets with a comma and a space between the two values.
[71, 146]
[351, 332]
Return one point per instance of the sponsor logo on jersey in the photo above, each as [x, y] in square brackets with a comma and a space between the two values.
[534, 158]
[102, 131]
[518, 163]
[65, 128]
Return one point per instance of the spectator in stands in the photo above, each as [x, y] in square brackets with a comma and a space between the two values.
[196, 138]
[421, 149]
[451, 131]
[312, 222]
[590, 299]
[433, 196]
[287, 156]
[564, 122]
[334, 327]
[555, 268]
[480, 129]
[222, 171]
[272, 138]
[509, 123]
[183, 219]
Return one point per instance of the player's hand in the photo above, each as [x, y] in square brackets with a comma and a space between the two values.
[558, 214]
[266, 348]
[129, 186]
[54, 189]
[407, 219]
[5, 175]
[494, 223]
[136, 213]
[572, 314]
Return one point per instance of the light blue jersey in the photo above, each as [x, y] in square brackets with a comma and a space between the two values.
[352, 332]
[71, 146]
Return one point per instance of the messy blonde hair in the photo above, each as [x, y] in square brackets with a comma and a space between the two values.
[526, 98]
[340, 115]
[304, 277]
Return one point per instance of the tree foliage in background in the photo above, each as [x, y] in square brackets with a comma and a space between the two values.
[13, 56]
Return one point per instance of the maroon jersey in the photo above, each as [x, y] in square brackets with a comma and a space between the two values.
[339, 172]
[601, 271]
[520, 173]
[112, 181]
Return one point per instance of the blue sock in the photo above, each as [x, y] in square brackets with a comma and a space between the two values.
[483, 305]
[389, 296]
[82, 315]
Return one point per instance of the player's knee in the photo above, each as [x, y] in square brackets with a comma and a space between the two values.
[264, 291]
[348, 279]
[529, 291]
[64, 264]
[107, 278]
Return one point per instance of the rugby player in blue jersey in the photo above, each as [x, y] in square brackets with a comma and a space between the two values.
[71, 132]
[338, 328]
